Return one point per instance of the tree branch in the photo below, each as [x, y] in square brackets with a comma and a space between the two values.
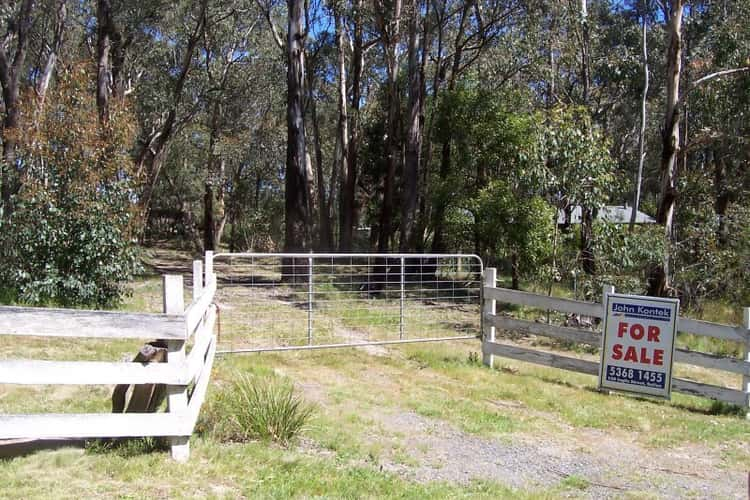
[718, 74]
[274, 31]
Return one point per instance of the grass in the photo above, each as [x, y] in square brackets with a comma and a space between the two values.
[355, 427]
[252, 407]
[575, 482]
[252, 470]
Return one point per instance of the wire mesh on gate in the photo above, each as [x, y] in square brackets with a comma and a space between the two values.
[298, 301]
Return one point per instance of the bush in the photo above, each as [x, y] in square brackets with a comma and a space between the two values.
[623, 258]
[69, 238]
[254, 407]
[66, 254]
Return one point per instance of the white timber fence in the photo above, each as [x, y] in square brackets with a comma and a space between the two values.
[491, 321]
[185, 374]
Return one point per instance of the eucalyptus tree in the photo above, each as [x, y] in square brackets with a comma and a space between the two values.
[18, 19]
[229, 44]
[659, 278]
[465, 32]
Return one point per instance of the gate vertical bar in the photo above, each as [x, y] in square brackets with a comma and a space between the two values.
[401, 304]
[309, 299]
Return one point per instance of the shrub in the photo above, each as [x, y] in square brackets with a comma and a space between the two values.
[69, 238]
[254, 407]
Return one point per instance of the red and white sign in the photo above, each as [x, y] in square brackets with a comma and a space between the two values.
[638, 344]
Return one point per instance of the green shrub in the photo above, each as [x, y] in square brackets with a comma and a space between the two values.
[68, 235]
[68, 252]
[254, 407]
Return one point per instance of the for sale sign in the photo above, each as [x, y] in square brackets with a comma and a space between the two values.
[638, 344]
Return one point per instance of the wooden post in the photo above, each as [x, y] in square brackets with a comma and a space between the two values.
[746, 378]
[174, 303]
[209, 267]
[488, 307]
[197, 278]
[606, 290]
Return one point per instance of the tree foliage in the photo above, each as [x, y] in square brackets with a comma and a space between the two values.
[70, 239]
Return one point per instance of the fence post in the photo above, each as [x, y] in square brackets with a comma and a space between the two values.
[197, 278]
[606, 290]
[488, 307]
[209, 266]
[746, 378]
[174, 303]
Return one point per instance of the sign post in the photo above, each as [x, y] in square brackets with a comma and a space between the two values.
[638, 344]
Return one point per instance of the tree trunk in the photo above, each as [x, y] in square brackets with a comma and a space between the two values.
[409, 193]
[642, 132]
[722, 198]
[587, 216]
[422, 218]
[325, 234]
[297, 182]
[348, 205]
[42, 84]
[343, 139]
[438, 240]
[588, 263]
[585, 48]
[220, 210]
[659, 279]
[11, 70]
[390, 32]
[103, 45]
[208, 218]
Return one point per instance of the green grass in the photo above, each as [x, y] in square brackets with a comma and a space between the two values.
[252, 407]
[575, 482]
[228, 471]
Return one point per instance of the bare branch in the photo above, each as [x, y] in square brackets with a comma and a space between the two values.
[274, 31]
[719, 74]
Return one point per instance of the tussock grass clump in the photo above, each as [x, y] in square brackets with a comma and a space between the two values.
[253, 407]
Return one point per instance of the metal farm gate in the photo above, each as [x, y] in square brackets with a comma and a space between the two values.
[271, 301]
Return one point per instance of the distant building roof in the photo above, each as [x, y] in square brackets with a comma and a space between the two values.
[615, 214]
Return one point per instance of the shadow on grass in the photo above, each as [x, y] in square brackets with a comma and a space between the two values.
[15, 448]
[717, 408]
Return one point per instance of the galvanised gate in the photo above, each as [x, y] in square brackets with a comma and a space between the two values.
[272, 301]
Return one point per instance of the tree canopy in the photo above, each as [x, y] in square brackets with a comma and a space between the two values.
[392, 125]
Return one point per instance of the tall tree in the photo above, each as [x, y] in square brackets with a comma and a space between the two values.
[11, 71]
[642, 131]
[659, 277]
[345, 205]
[297, 203]
[389, 21]
[347, 200]
[587, 211]
[409, 193]
[154, 143]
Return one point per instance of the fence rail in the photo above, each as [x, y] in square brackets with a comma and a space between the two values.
[176, 327]
[492, 321]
